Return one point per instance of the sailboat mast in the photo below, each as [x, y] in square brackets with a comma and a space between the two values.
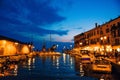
[50, 39]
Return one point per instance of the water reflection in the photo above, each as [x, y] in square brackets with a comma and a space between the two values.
[9, 70]
[55, 61]
[81, 70]
[85, 70]
[64, 58]
[63, 67]
[30, 63]
[54, 67]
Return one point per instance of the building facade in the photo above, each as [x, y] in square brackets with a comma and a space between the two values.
[105, 37]
[10, 46]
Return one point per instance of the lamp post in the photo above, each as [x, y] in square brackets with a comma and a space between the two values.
[103, 39]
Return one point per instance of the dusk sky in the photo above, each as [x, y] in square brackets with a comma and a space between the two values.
[35, 20]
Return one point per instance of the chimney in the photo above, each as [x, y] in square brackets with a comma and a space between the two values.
[96, 25]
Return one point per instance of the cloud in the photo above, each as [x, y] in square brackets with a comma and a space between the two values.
[68, 4]
[24, 16]
[44, 32]
[37, 12]
[78, 28]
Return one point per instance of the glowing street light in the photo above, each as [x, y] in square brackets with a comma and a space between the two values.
[103, 38]
[80, 43]
[57, 45]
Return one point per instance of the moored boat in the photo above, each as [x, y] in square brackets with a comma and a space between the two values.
[86, 57]
[101, 66]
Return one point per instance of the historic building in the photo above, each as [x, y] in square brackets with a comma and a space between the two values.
[105, 37]
[9, 46]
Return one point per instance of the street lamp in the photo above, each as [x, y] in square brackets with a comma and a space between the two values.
[103, 39]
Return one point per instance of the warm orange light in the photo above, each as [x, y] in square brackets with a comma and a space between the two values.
[105, 37]
[119, 62]
[96, 48]
[10, 49]
[101, 38]
[118, 49]
[16, 43]
[4, 41]
[80, 43]
[25, 49]
[29, 45]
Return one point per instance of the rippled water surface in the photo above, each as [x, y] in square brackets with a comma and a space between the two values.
[62, 67]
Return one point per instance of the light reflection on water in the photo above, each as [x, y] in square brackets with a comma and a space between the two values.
[62, 67]
[88, 72]
[10, 70]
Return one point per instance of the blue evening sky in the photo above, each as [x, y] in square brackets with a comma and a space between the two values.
[37, 20]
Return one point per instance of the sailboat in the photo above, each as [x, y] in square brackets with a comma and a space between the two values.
[51, 51]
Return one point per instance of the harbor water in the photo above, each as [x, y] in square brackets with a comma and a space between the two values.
[64, 67]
